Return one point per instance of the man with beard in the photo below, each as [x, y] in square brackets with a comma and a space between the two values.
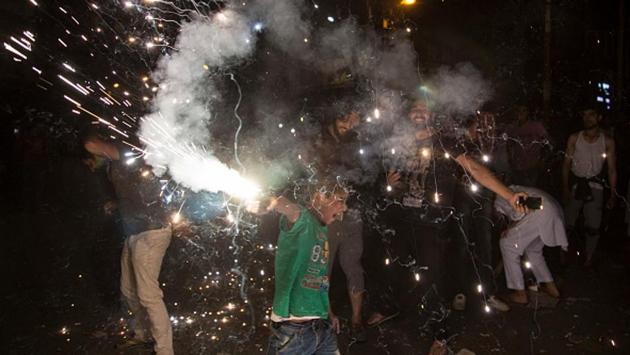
[336, 153]
[426, 191]
[582, 181]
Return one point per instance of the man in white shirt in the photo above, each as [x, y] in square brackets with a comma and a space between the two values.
[528, 234]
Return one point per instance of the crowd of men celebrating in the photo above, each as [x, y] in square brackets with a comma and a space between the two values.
[437, 203]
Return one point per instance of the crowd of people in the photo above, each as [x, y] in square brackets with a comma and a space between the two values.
[437, 206]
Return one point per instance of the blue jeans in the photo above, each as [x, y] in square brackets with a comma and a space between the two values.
[312, 337]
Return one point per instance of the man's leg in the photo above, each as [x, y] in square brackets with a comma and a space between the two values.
[482, 229]
[326, 339]
[572, 210]
[289, 339]
[539, 267]
[511, 253]
[536, 259]
[335, 237]
[350, 252]
[130, 294]
[592, 222]
[147, 261]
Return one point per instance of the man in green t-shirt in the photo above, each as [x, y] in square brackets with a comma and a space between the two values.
[302, 321]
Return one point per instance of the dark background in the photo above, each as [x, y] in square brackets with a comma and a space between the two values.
[60, 259]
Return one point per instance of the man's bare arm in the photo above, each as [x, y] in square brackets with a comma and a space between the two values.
[101, 148]
[283, 206]
[488, 180]
[280, 204]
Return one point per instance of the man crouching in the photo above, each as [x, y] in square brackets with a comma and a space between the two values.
[528, 234]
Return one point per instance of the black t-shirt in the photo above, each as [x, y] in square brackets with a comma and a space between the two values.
[139, 195]
[430, 173]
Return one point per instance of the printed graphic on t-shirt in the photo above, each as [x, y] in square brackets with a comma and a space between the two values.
[315, 277]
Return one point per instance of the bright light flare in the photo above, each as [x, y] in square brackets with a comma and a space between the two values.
[408, 2]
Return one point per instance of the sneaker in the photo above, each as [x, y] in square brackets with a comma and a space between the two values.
[518, 297]
[459, 302]
[551, 289]
[495, 303]
[358, 334]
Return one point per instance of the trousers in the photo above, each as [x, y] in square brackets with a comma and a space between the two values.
[512, 248]
[141, 262]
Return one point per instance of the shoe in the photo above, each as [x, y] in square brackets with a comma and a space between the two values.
[459, 302]
[495, 303]
[518, 297]
[551, 289]
[358, 334]
[378, 318]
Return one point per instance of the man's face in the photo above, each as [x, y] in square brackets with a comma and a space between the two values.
[591, 118]
[346, 123]
[419, 113]
[332, 207]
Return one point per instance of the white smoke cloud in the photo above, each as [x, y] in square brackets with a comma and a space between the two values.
[176, 131]
[459, 90]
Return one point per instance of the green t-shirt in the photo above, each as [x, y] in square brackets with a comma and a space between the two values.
[301, 281]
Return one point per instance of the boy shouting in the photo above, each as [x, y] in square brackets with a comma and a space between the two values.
[302, 321]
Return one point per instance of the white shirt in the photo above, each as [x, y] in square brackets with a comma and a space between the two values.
[588, 158]
[548, 222]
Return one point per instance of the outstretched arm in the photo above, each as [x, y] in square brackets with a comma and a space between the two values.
[101, 148]
[488, 180]
[279, 204]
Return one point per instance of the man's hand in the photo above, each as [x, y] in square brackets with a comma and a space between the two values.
[334, 322]
[393, 179]
[514, 202]
[262, 206]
